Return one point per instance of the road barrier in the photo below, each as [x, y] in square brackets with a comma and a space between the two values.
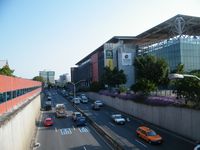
[115, 145]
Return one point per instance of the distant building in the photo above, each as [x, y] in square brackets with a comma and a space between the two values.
[48, 76]
[63, 79]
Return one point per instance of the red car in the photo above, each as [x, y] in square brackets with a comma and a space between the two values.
[48, 122]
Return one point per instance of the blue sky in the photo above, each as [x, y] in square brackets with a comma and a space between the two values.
[56, 34]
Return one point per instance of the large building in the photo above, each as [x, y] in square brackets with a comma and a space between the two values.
[48, 76]
[177, 40]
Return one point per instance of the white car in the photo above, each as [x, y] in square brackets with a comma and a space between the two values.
[84, 99]
[76, 100]
[117, 118]
[98, 102]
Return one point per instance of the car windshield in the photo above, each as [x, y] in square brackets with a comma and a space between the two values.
[151, 133]
[118, 116]
[78, 115]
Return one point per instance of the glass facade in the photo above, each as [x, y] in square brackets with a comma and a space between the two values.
[182, 50]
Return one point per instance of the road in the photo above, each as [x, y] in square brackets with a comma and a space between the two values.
[64, 135]
[125, 134]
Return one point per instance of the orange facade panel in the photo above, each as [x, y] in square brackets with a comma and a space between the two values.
[8, 83]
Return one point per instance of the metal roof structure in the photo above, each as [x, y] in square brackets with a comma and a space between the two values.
[176, 26]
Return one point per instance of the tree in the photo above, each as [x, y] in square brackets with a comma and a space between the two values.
[39, 78]
[143, 85]
[151, 68]
[6, 71]
[189, 88]
[113, 77]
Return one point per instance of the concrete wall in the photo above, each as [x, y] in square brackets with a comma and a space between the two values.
[17, 131]
[179, 120]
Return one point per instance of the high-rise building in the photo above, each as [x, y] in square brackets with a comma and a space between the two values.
[48, 76]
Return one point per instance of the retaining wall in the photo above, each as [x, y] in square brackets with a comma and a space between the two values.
[179, 120]
[17, 130]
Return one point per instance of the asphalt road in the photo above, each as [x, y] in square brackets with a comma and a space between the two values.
[125, 134]
[64, 135]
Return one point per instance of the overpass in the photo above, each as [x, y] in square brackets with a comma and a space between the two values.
[19, 110]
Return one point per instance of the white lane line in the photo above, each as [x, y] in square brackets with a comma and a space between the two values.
[141, 143]
[56, 129]
[111, 124]
[74, 128]
[84, 148]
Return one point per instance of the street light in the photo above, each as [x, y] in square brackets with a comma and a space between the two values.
[74, 84]
[181, 76]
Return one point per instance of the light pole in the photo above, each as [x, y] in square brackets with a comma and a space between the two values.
[181, 76]
[74, 84]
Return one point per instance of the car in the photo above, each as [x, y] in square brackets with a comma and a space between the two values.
[197, 147]
[84, 99]
[48, 121]
[75, 115]
[80, 121]
[76, 100]
[118, 119]
[95, 106]
[98, 102]
[148, 135]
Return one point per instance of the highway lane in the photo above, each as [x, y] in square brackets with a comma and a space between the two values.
[125, 134]
[64, 134]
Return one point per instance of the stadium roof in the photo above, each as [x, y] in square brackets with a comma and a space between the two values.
[175, 26]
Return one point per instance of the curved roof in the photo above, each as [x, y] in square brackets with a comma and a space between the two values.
[177, 25]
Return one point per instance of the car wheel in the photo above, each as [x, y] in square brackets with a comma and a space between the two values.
[149, 141]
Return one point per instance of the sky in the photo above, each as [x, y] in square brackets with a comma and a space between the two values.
[37, 35]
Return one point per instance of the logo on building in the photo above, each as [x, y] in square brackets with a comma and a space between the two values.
[127, 59]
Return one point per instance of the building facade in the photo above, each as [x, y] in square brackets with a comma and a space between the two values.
[177, 40]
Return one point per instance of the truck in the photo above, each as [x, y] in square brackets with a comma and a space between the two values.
[60, 110]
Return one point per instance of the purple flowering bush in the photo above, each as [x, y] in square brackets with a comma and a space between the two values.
[149, 100]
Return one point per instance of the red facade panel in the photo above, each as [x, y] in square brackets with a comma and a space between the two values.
[94, 61]
[13, 83]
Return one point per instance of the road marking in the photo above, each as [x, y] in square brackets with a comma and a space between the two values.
[56, 129]
[141, 143]
[83, 130]
[74, 128]
[84, 148]
[111, 124]
[65, 131]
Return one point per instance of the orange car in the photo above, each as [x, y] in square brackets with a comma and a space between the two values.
[148, 134]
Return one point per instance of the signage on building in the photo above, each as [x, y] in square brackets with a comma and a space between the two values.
[109, 54]
[127, 59]
[109, 59]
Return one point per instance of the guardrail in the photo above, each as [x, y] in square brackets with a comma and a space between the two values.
[115, 145]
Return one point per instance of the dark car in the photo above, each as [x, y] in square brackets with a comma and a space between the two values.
[80, 121]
